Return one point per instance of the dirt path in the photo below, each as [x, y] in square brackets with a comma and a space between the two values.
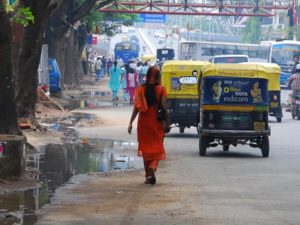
[117, 198]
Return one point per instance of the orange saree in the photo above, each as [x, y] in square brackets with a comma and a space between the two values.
[150, 130]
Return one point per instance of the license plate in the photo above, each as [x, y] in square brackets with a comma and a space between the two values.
[259, 126]
[274, 104]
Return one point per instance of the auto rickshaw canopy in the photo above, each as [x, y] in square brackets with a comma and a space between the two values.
[270, 71]
[151, 58]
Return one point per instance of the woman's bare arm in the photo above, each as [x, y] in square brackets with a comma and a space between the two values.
[133, 116]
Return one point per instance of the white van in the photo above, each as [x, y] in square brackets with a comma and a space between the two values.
[230, 59]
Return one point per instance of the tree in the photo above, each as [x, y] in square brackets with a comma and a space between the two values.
[65, 39]
[8, 116]
[29, 56]
[252, 31]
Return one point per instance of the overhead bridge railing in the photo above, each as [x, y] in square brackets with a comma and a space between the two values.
[189, 8]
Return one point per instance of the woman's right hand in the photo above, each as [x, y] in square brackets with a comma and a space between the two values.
[129, 128]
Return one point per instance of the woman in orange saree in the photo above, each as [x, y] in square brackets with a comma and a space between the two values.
[150, 130]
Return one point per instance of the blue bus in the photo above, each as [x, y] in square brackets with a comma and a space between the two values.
[126, 50]
[285, 53]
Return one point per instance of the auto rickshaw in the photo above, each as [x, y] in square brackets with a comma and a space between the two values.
[180, 78]
[271, 71]
[234, 107]
[150, 58]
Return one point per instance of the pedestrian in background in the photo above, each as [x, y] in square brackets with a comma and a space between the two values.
[131, 80]
[84, 65]
[142, 73]
[103, 66]
[108, 65]
[114, 80]
[120, 62]
[124, 83]
[150, 130]
[98, 66]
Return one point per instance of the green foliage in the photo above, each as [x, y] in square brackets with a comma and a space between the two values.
[24, 16]
[106, 21]
[252, 31]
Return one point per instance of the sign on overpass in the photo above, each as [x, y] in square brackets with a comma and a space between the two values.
[153, 18]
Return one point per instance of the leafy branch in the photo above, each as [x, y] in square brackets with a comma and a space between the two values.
[23, 16]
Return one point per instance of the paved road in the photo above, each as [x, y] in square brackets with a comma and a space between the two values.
[223, 188]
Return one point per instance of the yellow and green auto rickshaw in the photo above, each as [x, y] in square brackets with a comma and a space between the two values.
[180, 78]
[271, 71]
[234, 107]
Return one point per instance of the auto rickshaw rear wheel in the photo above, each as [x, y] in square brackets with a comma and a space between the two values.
[225, 148]
[202, 145]
[265, 146]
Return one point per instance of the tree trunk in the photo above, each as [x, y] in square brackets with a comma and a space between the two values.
[8, 116]
[69, 60]
[27, 72]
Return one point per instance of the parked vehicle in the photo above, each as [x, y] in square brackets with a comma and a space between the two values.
[234, 107]
[180, 78]
[54, 76]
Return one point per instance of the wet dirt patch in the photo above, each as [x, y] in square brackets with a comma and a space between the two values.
[53, 166]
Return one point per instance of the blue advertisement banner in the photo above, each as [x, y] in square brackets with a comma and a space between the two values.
[235, 91]
[153, 18]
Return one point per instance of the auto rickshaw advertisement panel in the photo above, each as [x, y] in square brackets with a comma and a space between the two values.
[235, 91]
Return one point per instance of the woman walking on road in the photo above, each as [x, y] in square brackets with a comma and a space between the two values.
[150, 130]
[131, 80]
[114, 80]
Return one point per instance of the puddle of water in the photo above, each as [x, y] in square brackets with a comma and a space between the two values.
[55, 164]
[92, 94]
[97, 103]
[66, 125]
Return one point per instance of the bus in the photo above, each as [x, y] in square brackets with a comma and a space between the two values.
[126, 50]
[285, 53]
[203, 50]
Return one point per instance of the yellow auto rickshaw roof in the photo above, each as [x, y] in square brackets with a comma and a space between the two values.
[148, 57]
[182, 65]
[250, 69]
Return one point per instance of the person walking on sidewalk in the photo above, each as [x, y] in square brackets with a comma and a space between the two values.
[103, 67]
[98, 66]
[124, 83]
[150, 130]
[114, 80]
[108, 65]
[131, 80]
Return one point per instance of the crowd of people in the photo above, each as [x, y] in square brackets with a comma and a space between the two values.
[123, 77]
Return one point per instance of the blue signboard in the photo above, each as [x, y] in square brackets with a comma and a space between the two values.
[235, 91]
[153, 18]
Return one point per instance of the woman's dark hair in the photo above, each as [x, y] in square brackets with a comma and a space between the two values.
[130, 70]
[115, 65]
[150, 93]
